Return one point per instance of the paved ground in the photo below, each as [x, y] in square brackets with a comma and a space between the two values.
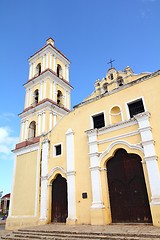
[116, 228]
[113, 228]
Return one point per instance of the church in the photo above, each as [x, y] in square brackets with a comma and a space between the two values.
[96, 164]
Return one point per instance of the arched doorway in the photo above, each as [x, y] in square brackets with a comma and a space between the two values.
[59, 200]
[127, 189]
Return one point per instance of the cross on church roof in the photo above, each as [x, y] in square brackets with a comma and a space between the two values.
[110, 62]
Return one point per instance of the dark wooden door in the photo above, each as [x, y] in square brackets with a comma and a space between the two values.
[59, 200]
[127, 189]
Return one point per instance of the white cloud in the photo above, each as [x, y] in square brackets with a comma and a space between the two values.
[7, 116]
[7, 143]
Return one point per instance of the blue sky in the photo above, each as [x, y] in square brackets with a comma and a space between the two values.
[88, 32]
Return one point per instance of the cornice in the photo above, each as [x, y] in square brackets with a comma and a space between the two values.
[127, 85]
[47, 73]
[46, 49]
[44, 104]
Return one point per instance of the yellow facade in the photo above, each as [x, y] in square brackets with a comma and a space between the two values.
[78, 150]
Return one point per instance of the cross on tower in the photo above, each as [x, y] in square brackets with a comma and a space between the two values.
[110, 62]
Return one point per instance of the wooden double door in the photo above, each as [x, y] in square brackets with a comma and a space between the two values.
[59, 200]
[127, 189]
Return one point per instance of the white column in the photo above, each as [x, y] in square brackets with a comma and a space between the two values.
[67, 73]
[44, 92]
[55, 92]
[26, 130]
[65, 98]
[30, 71]
[54, 64]
[71, 176]
[51, 58]
[40, 92]
[43, 204]
[26, 100]
[43, 122]
[22, 132]
[47, 60]
[51, 89]
[50, 120]
[39, 123]
[95, 170]
[149, 156]
[30, 97]
[43, 63]
[33, 70]
[55, 120]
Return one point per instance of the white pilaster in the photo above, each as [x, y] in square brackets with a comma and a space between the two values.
[34, 70]
[44, 172]
[54, 63]
[30, 71]
[149, 156]
[22, 132]
[39, 123]
[65, 98]
[50, 120]
[30, 97]
[55, 120]
[47, 60]
[43, 63]
[43, 122]
[26, 130]
[71, 175]
[44, 92]
[51, 89]
[55, 92]
[95, 170]
[50, 61]
[26, 100]
[41, 91]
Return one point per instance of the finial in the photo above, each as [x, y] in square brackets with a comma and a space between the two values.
[110, 62]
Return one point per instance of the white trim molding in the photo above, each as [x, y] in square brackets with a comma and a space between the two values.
[95, 170]
[71, 176]
[150, 157]
[44, 174]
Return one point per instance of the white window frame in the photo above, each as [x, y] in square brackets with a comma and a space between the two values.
[94, 115]
[132, 101]
[54, 149]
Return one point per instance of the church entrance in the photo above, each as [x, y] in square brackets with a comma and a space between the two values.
[59, 200]
[127, 189]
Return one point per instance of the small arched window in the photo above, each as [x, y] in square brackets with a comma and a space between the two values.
[120, 81]
[59, 97]
[36, 96]
[32, 130]
[59, 70]
[38, 69]
[115, 114]
[105, 87]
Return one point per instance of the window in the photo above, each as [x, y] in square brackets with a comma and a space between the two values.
[105, 87]
[59, 97]
[36, 95]
[38, 69]
[58, 150]
[98, 121]
[136, 107]
[111, 76]
[32, 130]
[120, 81]
[59, 70]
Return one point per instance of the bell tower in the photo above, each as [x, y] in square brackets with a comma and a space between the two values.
[48, 89]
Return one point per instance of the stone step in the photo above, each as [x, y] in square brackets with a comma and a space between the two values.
[55, 235]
